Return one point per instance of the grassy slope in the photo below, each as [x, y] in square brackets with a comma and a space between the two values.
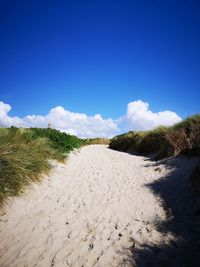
[183, 137]
[25, 154]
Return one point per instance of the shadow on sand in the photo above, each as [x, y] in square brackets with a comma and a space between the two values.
[182, 221]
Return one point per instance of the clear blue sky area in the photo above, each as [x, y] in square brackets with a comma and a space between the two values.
[96, 56]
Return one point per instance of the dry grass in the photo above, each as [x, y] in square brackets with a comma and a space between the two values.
[99, 141]
[183, 137]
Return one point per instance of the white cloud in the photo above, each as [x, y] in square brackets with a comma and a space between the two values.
[73, 123]
[139, 117]
[5, 120]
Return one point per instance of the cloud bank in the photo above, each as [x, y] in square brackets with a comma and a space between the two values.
[73, 123]
[137, 117]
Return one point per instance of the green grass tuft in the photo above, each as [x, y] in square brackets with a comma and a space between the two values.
[26, 153]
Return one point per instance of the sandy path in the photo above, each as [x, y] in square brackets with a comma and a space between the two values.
[87, 212]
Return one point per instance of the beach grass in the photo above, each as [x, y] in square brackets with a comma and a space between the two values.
[100, 141]
[26, 153]
[183, 137]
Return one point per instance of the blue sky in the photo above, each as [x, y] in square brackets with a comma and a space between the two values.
[97, 56]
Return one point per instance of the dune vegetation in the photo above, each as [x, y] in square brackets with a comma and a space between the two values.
[26, 153]
[183, 137]
[100, 141]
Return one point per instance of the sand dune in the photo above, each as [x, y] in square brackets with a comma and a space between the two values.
[88, 212]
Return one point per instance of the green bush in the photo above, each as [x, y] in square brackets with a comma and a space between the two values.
[63, 143]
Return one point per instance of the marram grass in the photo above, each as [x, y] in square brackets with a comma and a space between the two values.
[24, 156]
[183, 137]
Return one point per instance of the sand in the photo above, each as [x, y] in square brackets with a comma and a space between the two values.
[97, 209]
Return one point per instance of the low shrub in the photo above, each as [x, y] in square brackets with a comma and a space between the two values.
[61, 142]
